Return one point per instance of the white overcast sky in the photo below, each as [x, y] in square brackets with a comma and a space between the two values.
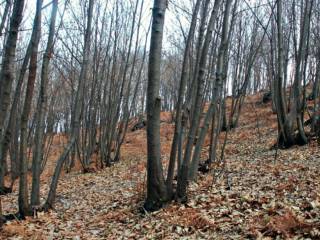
[171, 23]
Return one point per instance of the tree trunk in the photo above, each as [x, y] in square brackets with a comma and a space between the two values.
[286, 120]
[315, 117]
[78, 104]
[55, 178]
[24, 207]
[183, 82]
[77, 113]
[7, 70]
[13, 121]
[156, 189]
[217, 93]
[5, 15]
[41, 108]
[285, 124]
[183, 174]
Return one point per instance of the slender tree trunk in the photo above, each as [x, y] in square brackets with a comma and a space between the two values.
[41, 108]
[78, 104]
[183, 174]
[2, 219]
[220, 76]
[5, 15]
[285, 125]
[189, 107]
[315, 117]
[287, 136]
[77, 113]
[24, 207]
[183, 82]
[298, 109]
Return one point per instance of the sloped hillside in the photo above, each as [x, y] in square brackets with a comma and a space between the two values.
[262, 193]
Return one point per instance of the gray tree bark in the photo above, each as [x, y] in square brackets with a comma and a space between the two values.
[183, 173]
[183, 82]
[41, 108]
[77, 114]
[217, 92]
[23, 199]
[7, 70]
[156, 189]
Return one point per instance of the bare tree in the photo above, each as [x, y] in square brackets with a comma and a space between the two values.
[24, 207]
[6, 73]
[156, 189]
[286, 119]
[77, 111]
[41, 108]
[183, 173]
[183, 82]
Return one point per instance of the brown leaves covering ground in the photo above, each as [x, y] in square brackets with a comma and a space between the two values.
[268, 198]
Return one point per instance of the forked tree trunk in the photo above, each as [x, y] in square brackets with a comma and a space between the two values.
[284, 124]
[78, 104]
[220, 75]
[183, 173]
[23, 199]
[183, 82]
[287, 136]
[7, 71]
[41, 108]
[298, 108]
[189, 107]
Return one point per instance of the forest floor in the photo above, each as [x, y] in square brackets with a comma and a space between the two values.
[258, 197]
